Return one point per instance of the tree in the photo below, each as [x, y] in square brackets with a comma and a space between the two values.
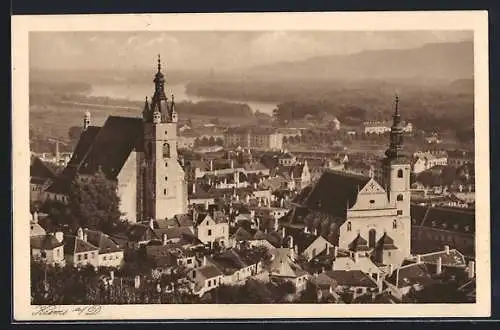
[309, 295]
[93, 203]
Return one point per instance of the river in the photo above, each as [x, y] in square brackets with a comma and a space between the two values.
[138, 92]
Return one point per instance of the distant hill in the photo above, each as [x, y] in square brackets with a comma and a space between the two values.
[438, 61]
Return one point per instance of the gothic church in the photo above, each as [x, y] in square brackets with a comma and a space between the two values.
[140, 154]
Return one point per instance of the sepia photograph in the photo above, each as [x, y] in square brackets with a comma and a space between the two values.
[171, 161]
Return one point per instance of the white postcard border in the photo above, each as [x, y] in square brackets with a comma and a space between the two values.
[352, 21]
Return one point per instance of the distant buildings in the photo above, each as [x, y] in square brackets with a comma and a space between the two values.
[258, 138]
[425, 160]
[382, 127]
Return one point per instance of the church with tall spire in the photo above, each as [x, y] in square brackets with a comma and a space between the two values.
[368, 218]
[139, 154]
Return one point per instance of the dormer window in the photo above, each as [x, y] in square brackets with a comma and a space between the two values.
[349, 226]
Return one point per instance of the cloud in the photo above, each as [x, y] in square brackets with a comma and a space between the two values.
[219, 50]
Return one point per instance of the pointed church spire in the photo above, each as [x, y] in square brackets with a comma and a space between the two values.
[396, 136]
[146, 111]
[159, 63]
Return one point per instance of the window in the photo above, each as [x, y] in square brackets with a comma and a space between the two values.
[105, 258]
[210, 232]
[166, 132]
[166, 178]
[209, 283]
[400, 212]
[349, 226]
[388, 253]
[165, 191]
[400, 197]
[400, 173]
[372, 201]
[372, 235]
[166, 150]
[189, 261]
[85, 256]
[394, 224]
[79, 257]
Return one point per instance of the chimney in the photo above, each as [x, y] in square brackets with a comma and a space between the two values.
[247, 199]
[211, 165]
[276, 224]
[296, 250]
[306, 230]
[282, 202]
[232, 163]
[112, 275]
[255, 185]
[315, 231]
[439, 266]
[355, 257]
[236, 177]
[137, 281]
[164, 239]
[447, 249]
[35, 217]
[418, 259]
[283, 233]
[204, 261]
[151, 224]
[59, 236]
[194, 188]
[290, 241]
[85, 234]
[207, 205]
[471, 271]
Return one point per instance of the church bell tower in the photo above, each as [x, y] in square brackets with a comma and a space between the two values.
[164, 185]
[396, 177]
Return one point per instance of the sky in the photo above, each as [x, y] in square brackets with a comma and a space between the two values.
[212, 50]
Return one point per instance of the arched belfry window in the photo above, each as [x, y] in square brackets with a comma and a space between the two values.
[400, 173]
[400, 197]
[394, 224]
[166, 150]
[349, 226]
[372, 235]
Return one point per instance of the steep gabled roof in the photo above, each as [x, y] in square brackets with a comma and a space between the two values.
[85, 141]
[113, 144]
[102, 241]
[44, 242]
[351, 278]
[38, 169]
[409, 275]
[75, 245]
[333, 193]
[448, 218]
